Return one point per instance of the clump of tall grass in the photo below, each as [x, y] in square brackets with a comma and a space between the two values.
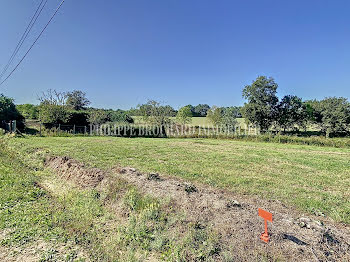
[151, 226]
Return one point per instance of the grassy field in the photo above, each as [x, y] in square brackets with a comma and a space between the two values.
[307, 177]
[29, 217]
[46, 218]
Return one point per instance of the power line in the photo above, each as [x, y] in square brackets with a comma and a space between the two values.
[24, 35]
[36, 40]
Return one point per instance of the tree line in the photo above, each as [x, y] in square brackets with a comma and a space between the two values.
[263, 108]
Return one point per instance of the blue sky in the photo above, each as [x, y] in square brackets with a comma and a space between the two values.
[123, 52]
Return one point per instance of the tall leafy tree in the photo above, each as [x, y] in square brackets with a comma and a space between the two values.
[229, 116]
[262, 102]
[155, 114]
[332, 114]
[9, 112]
[215, 115]
[201, 110]
[184, 115]
[170, 110]
[77, 100]
[292, 112]
[53, 108]
[192, 109]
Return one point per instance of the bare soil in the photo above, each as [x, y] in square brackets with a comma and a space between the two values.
[294, 236]
[75, 171]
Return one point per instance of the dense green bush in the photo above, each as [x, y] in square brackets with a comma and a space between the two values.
[119, 116]
[53, 114]
[79, 118]
[53, 109]
[98, 117]
[8, 112]
[29, 111]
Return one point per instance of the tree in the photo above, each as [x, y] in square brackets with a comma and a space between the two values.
[52, 108]
[201, 110]
[77, 100]
[119, 116]
[155, 114]
[292, 112]
[229, 116]
[184, 115]
[9, 112]
[262, 102]
[29, 111]
[215, 115]
[170, 111]
[191, 107]
[98, 117]
[133, 112]
[332, 114]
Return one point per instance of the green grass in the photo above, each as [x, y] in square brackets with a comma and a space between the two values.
[24, 206]
[70, 220]
[28, 214]
[308, 177]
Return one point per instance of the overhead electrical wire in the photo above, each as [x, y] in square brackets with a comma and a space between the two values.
[24, 35]
[36, 40]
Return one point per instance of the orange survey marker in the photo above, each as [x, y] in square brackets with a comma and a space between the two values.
[267, 216]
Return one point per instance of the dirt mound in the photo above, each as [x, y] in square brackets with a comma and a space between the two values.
[293, 236]
[75, 171]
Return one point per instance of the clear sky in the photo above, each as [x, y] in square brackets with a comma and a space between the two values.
[123, 52]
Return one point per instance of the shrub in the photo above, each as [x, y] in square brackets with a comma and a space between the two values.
[184, 115]
[50, 114]
[8, 112]
[53, 109]
[79, 118]
[98, 117]
[29, 111]
[119, 116]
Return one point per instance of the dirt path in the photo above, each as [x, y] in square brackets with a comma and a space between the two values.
[294, 237]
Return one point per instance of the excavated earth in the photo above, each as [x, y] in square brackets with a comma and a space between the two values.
[294, 236]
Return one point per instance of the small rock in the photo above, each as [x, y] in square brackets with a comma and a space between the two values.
[233, 203]
[311, 224]
[153, 176]
[302, 224]
[318, 213]
[129, 170]
[189, 188]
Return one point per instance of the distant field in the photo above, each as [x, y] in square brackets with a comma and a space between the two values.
[308, 177]
[196, 121]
